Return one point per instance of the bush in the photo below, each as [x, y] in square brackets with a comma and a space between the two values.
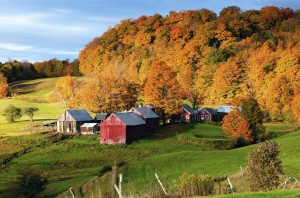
[194, 185]
[29, 184]
[60, 137]
[264, 167]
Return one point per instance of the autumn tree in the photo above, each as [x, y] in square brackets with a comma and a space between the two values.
[12, 113]
[65, 91]
[111, 90]
[4, 87]
[236, 126]
[264, 167]
[226, 83]
[162, 89]
[30, 112]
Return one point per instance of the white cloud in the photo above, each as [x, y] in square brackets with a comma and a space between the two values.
[14, 47]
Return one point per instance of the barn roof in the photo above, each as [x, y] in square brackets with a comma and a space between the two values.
[80, 115]
[88, 125]
[146, 112]
[151, 106]
[130, 118]
[101, 116]
[189, 109]
[212, 111]
[224, 109]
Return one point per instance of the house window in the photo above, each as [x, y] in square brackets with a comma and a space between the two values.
[198, 117]
[202, 111]
[202, 117]
[206, 117]
[187, 117]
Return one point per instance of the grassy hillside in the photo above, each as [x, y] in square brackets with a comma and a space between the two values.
[72, 161]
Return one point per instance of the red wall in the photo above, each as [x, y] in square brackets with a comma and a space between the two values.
[113, 131]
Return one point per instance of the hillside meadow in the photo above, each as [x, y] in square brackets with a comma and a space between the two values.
[78, 161]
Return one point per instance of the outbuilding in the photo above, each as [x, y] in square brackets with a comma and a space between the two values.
[89, 128]
[122, 128]
[71, 120]
[151, 118]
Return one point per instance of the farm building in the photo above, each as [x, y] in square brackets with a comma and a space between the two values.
[223, 111]
[71, 120]
[150, 106]
[206, 114]
[122, 128]
[100, 117]
[89, 128]
[151, 118]
[187, 114]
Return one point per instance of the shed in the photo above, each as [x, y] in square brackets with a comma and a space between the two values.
[71, 120]
[122, 128]
[187, 114]
[100, 117]
[223, 111]
[89, 128]
[207, 114]
[151, 118]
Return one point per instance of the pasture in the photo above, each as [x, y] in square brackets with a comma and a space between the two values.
[72, 161]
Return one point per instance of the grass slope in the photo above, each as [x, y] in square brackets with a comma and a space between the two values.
[72, 162]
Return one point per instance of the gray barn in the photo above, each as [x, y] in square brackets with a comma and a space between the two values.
[71, 120]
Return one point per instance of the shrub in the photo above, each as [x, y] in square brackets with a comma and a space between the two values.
[29, 184]
[194, 185]
[264, 167]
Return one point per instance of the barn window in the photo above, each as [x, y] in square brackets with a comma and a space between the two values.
[206, 117]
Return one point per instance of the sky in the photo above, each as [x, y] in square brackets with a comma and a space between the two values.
[39, 30]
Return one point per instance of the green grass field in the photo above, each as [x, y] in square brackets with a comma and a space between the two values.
[73, 162]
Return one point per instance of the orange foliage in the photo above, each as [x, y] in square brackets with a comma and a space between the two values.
[162, 89]
[4, 87]
[235, 126]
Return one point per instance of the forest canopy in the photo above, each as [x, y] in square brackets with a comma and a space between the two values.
[217, 58]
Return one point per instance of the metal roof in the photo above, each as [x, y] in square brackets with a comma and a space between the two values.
[88, 125]
[189, 109]
[224, 109]
[80, 115]
[130, 118]
[101, 116]
[146, 112]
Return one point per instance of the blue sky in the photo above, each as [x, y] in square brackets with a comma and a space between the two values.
[38, 30]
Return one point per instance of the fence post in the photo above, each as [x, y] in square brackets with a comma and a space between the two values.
[164, 189]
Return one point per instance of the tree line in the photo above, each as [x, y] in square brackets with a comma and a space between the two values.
[217, 58]
[24, 70]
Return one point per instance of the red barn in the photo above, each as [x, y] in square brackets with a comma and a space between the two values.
[187, 114]
[151, 118]
[206, 114]
[122, 128]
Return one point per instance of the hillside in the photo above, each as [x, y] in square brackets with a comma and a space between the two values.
[219, 58]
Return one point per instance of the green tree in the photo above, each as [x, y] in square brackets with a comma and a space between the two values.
[30, 112]
[252, 113]
[12, 113]
[29, 184]
[264, 167]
